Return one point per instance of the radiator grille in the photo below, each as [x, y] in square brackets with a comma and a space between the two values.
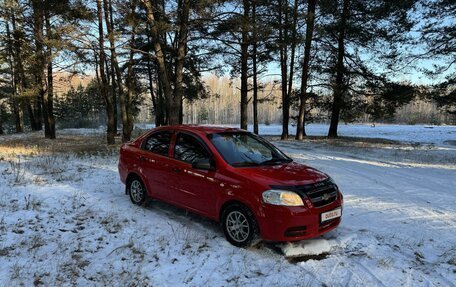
[321, 193]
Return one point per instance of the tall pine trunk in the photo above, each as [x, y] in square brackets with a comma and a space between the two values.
[244, 65]
[113, 78]
[40, 65]
[293, 47]
[283, 35]
[124, 110]
[17, 109]
[152, 93]
[254, 69]
[175, 109]
[111, 129]
[300, 129]
[157, 103]
[127, 127]
[48, 103]
[37, 112]
[31, 114]
[18, 118]
[292, 56]
[161, 100]
[20, 77]
[1, 119]
[165, 84]
[339, 88]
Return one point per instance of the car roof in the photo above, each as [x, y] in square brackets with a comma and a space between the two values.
[201, 129]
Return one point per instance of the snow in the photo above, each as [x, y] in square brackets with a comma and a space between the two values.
[424, 134]
[309, 247]
[65, 220]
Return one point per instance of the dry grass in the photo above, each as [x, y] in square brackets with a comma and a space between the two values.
[35, 144]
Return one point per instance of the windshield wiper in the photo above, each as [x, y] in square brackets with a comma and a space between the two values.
[273, 161]
[245, 163]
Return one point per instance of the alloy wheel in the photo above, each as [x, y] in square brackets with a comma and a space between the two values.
[136, 191]
[237, 226]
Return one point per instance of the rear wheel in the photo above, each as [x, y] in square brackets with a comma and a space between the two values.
[239, 226]
[137, 191]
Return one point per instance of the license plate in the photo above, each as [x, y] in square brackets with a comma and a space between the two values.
[325, 216]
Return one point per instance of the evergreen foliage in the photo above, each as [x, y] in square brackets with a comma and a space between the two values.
[329, 60]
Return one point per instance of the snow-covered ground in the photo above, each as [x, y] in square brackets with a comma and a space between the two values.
[65, 220]
[424, 134]
[439, 135]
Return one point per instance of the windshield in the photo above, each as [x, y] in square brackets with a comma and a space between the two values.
[245, 149]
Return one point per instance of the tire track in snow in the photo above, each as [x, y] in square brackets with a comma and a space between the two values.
[399, 170]
[414, 204]
[367, 271]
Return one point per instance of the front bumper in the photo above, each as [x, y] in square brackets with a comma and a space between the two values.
[280, 223]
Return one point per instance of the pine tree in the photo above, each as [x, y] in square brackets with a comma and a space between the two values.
[358, 46]
[439, 38]
[310, 20]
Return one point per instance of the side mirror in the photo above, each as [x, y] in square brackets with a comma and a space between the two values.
[204, 164]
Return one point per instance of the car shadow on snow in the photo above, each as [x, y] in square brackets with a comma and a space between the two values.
[184, 216]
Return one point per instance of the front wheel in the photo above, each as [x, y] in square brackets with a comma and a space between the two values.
[239, 226]
[137, 191]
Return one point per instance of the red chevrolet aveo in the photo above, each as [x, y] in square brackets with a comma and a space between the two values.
[233, 177]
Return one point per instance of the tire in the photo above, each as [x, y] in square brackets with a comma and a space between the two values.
[239, 226]
[137, 191]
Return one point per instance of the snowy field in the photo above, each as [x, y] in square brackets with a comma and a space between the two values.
[65, 219]
[439, 135]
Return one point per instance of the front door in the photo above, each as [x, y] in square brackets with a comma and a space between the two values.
[193, 189]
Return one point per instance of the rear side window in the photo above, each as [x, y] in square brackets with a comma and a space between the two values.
[188, 149]
[158, 143]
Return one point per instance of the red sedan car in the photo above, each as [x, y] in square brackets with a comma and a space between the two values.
[233, 177]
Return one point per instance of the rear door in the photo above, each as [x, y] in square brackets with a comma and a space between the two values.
[194, 189]
[154, 160]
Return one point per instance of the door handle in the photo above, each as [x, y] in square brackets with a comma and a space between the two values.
[142, 158]
[176, 169]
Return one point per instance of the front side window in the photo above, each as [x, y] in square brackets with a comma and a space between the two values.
[158, 143]
[244, 149]
[188, 149]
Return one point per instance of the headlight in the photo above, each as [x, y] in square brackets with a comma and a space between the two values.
[282, 197]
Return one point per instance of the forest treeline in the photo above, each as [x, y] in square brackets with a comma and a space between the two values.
[77, 107]
[347, 58]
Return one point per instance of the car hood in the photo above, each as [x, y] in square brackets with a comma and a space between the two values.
[283, 174]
